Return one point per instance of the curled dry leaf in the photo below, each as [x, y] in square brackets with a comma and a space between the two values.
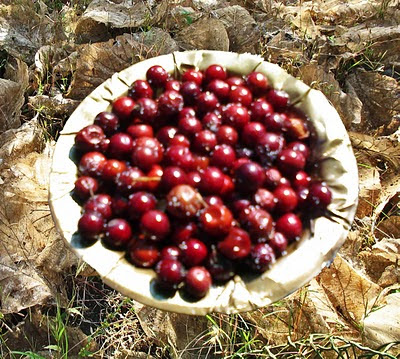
[52, 106]
[234, 18]
[30, 260]
[352, 294]
[97, 62]
[12, 89]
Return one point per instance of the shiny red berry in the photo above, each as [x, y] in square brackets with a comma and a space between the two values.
[118, 233]
[289, 225]
[198, 281]
[157, 76]
[140, 203]
[144, 254]
[89, 138]
[194, 252]
[236, 244]
[85, 186]
[140, 88]
[155, 225]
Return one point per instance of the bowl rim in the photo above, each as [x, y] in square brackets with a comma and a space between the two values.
[314, 251]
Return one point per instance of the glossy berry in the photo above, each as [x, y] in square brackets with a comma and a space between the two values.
[183, 201]
[261, 257]
[89, 138]
[220, 267]
[144, 254]
[190, 92]
[219, 88]
[252, 132]
[273, 178]
[320, 196]
[118, 232]
[257, 83]
[236, 244]
[173, 176]
[119, 206]
[194, 252]
[123, 108]
[211, 200]
[223, 157]
[212, 180]
[189, 126]
[265, 199]
[165, 134]
[216, 220]
[100, 203]
[193, 75]
[139, 89]
[259, 109]
[184, 232]
[85, 187]
[241, 94]
[170, 272]
[170, 252]
[187, 112]
[275, 122]
[290, 161]
[235, 115]
[269, 146]
[204, 142]
[140, 203]
[108, 121]
[173, 85]
[157, 76]
[120, 145]
[301, 179]
[170, 103]
[198, 281]
[140, 130]
[290, 226]
[227, 135]
[91, 224]
[156, 171]
[235, 81]
[211, 121]
[228, 186]
[180, 140]
[130, 180]
[91, 164]
[279, 243]
[279, 99]
[193, 179]
[249, 177]
[286, 199]
[145, 110]
[299, 147]
[258, 222]
[111, 169]
[240, 208]
[146, 152]
[213, 72]
[206, 102]
[179, 156]
[155, 225]
[200, 162]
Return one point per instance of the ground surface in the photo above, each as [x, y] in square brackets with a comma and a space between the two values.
[55, 52]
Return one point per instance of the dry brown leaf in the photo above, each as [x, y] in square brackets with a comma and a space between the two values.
[32, 255]
[382, 326]
[52, 106]
[235, 18]
[350, 293]
[204, 34]
[12, 89]
[97, 62]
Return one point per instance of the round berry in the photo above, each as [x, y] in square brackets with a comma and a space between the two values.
[236, 244]
[101, 204]
[180, 140]
[118, 232]
[179, 156]
[91, 164]
[144, 254]
[258, 222]
[190, 92]
[183, 232]
[259, 109]
[111, 169]
[265, 199]
[257, 83]
[299, 147]
[206, 102]
[119, 206]
[269, 146]
[198, 281]
[204, 141]
[213, 72]
[120, 145]
[279, 99]
[290, 161]
[140, 130]
[155, 172]
[193, 179]
[139, 89]
[189, 126]
[173, 85]
[275, 122]
[157, 76]
[290, 226]
[173, 176]
[279, 243]
[286, 199]
[147, 151]
[320, 196]
[252, 132]
[194, 76]
[235, 115]
[170, 252]
[241, 94]
[140, 203]
[85, 187]
[145, 110]
[216, 220]
[123, 108]
[249, 177]
[211, 121]
[227, 135]
[194, 252]
[219, 88]
[170, 103]
[261, 257]
[108, 121]
[89, 138]
[235, 81]
[183, 201]
[212, 180]
[223, 157]
[170, 272]
[91, 224]
[301, 180]
[130, 180]
[155, 225]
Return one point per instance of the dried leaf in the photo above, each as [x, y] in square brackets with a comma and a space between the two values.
[234, 18]
[352, 294]
[97, 62]
[52, 106]
[207, 34]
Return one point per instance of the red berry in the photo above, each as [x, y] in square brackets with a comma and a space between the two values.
[127, 181]
[257, 83]
[235, 115]
[118, 232]
[261, 257]
[91, 224]
[187, 112]
[301, 180]
[189, 126]
[183, 232]
[290, 226]
[173, 85]
[155, 225]
[120, 145]
[204, 142]
[223, 157]
[319, 195]
[123, 108]
[236, 244]
[216, 220]
[279, 243]
[265, 199]
[140, 203]
[212, 180]
[275, 122]
[193, 75]
[259, 109]
[286, 199]
[140, 88]
[111, 169]
[165, 134]
[145, 110]
[90, 138]
[211, 200]
[227, 135]
[215, 72]
[235, 81]
[220, 267]
[241, 94]
[144, 254]
[290, 161]
[190, 92]
[269, 146]
[170, 103]
[179, 156]
[140, 130]
[156, 171]
[179, 140]
[173, 176]
[299, 147]
[211, 121]
[85, 187]
[206, 102]
[91, 164]
[194, 252]
[147, 151]
[170, 252]
[200, 162]
[279, 99]
[170, 272]
[252, 132]
[119, 206]
[184, 202]
[193, 179]
[157, 76]
[258, 222]
[219, 88]
[108, 121]
[273, 178]
[249, 177]
[198, 281]
[100, 203]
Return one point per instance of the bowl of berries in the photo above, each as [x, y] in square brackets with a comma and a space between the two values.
[204, 181]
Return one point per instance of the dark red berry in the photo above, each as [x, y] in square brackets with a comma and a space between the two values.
[299, 147]
[173, 176]
[279, 99]
[123, 108]
[130, 180]
[206, 102]
[180, 140]
[184, 202]
[212, 180]
[193, 75]
[119, 206]
[170, 252]
[211, 121]
[257, 83]
[193, 179]
[290, 226]
[140, 130]
[156, 171]
[252, 132]
[215, 72]
[227, 135]
[259, 109]
[89, 138]
[147, 151]
[290, 161]
[100, 203]
[111, 169]
[194, 252]
[155, 225]
[236, 244]
[170, 272]
[275, 122]
[235, 115]
[249, 177]
[140, 203]
[240, 208]
[198, 281]
[286, 199]
[91, 164]
[108, 121]
[200, 162]
[157, 76]
[223, 157]
[261, 257]
[139, 89]
[220, 267]
[187, 112]
[189, 126]
[241, 94]
[146, 110]
[170, 103]
[144, 254]
[211, 200]
[320, 196]
[216, 220]
[301, 180]
[258, 222]
[118, 232]
[120, 145]
[228, 186]
[190, 92]
[91, 224]
[265, 199]
[235, 81]
[173, 85]
[179, 156]
[183, 232]
[219, 88]
[85, 187]
[273, 178]
[269, 146]
[279, 243]
[204, 142]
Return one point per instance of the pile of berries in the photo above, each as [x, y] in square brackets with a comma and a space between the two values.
[198, 177]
